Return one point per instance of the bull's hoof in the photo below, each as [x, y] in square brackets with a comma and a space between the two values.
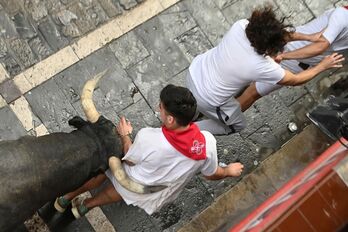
[55, 220]
[47, 211]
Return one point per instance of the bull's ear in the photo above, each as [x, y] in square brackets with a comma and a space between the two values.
[77, 122]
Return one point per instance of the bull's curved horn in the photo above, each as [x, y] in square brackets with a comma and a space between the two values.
[120, 175]
[87, 98]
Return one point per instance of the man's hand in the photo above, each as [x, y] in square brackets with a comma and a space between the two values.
[124, 127]
[278, 58]
[332, 61]
[234, 169]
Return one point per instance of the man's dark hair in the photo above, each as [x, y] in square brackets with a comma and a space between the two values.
[266, 33]
[179, 102]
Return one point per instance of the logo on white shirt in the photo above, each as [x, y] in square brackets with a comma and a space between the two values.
[197, 147]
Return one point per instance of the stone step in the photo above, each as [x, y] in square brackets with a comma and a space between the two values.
[253, 189]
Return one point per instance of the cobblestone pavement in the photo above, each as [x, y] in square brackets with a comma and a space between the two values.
[49, 48]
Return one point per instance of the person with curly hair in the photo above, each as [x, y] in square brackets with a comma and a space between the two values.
[332, 32]
[245, 56]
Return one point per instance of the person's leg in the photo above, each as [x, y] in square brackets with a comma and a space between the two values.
[106, 196]
[62, 202]
[223, 120]
[254, 92]
[213, 126]
[89, 185]
[248, 97]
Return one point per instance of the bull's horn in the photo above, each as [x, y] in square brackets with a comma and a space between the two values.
[120, 175]
[87, 98]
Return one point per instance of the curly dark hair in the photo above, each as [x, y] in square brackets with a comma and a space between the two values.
[266, 33]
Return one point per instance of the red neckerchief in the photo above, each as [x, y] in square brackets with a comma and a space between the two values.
[346, 7]
[190, 142]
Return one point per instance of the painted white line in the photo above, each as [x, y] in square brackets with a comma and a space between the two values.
[3, 74]
[21, 109]
[97, 218]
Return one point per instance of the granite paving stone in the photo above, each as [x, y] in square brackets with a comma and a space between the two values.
[176, 20]
[128, 4]
[49, 25]
[51, 106]
[9, 91]
[276, 114]
[23, 26]
[10, 126]
[8, 29]
[3, 48]
[208, 15]
[97, 14]
[222, 4]
[12, 7]
[3, 74]
[318, 85]
[297, 11]
[117, 86]
[37, 9]
[193, 199]
[11, 65]
[300, 109]
[290, 94]
[164, 51]
[129, 50]
[318, 7]
[140, 115]
[151, 89]
[128, 218]
[40, 48]
[265, 141]
[24, 54]
[51, 33]
[232, 148]
[111, 7]
[242, 9]
[193, 43]
[254, 121]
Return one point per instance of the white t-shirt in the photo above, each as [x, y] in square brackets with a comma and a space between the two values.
[224, 70]
[336, 32]
[157, 162]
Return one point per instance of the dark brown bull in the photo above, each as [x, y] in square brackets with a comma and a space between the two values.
[35, 170]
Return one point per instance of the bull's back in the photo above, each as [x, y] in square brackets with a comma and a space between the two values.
[35, 170]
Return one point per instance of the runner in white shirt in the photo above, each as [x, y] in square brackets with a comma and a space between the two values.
[219, 75]
[169, 156]
[332, 25]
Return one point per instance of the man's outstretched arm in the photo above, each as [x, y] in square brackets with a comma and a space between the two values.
[233, 169]
[333, 61]
[313, 49]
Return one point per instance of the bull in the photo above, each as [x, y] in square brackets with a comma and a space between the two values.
[35, 170]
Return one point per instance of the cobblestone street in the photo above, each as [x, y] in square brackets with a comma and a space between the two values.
[49, 48]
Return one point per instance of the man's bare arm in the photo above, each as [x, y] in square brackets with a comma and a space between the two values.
[332, 61]
[233, 169]
[308, 51]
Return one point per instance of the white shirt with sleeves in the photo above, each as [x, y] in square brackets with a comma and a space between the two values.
[336, 32]
[226, 69]
[157, 162]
